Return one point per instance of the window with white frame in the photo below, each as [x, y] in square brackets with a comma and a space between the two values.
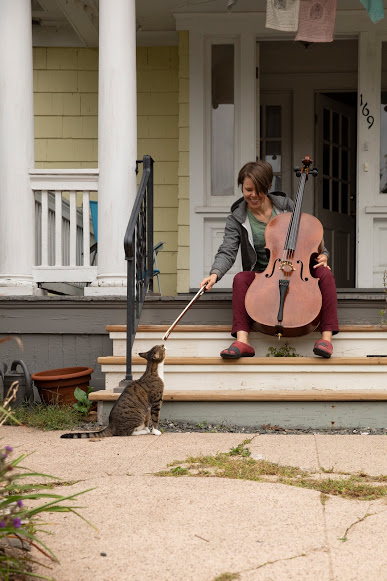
[222, 120]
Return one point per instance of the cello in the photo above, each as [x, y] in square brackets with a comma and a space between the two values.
[285, 299]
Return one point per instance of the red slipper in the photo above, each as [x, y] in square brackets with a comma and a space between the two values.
[323, 348]
[236, 350]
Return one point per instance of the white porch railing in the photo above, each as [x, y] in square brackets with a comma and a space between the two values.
[64, 232]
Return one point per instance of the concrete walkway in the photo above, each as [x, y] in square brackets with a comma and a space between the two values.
[196, 529]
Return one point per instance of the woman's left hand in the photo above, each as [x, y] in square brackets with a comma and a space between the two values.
[322, 260]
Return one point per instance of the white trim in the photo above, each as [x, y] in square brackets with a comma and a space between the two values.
[64, 273]
[376, 209]
[62, 179]
[368, 154]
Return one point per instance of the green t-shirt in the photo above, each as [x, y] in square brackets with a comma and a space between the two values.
[258, 231]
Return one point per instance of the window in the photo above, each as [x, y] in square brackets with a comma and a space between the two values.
[222, 120]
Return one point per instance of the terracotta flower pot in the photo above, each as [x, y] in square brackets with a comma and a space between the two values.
[58, 385]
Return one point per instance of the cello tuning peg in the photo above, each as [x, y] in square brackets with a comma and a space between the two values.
[297, 169]
[314, 171]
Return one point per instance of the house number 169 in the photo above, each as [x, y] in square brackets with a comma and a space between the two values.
[366, 112]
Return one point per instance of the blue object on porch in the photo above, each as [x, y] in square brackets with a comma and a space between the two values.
[94, 218]
[94, 247]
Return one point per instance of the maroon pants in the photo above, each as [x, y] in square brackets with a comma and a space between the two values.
[328, 318]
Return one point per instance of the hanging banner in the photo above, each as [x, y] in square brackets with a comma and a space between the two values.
[282, 14]
[374, 8]
[316, 20]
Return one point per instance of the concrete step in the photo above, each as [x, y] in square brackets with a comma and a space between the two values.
[208, 341]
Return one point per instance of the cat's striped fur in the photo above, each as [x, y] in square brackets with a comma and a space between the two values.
[140, 401]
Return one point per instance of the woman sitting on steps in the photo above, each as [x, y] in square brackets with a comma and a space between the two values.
[245, 228]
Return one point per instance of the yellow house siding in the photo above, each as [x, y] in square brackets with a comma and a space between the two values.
[158, 136]
[65, 102]
[183, 171]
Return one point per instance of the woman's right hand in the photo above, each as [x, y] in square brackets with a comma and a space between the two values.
[209, 281]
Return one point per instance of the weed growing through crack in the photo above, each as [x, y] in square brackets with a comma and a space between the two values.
[238, 464]
[227, 576]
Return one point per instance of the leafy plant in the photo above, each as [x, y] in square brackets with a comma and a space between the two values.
[18, 523]
[83, 404]
[284, 351]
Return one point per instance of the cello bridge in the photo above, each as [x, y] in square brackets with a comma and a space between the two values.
[286, 266]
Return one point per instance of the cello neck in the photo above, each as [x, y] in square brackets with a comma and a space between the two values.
[291, 238]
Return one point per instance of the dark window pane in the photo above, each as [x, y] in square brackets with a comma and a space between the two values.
[326, 125]
[326, 164]
[344, 164]
[335, 127]
[325, 194]
[222, 75]
[273, 121]
[344, 198]
[335, 196]
[335, 162]
[344, 131]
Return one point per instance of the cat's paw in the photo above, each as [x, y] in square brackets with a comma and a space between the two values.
[156, 432]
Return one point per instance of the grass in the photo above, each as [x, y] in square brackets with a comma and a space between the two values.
[227, 576]
[46, 417]
[238, 464]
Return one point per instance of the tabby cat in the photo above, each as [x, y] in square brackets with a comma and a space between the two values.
[140, 401]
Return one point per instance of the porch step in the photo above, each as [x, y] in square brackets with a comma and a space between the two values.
[230, 396]
[266, 376]
[209, 340]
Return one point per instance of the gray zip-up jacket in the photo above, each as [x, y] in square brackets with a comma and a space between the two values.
[237, 232]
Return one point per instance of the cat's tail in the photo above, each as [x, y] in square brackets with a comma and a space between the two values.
[106, 433]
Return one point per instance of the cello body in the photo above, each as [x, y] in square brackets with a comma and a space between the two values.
[285, 299]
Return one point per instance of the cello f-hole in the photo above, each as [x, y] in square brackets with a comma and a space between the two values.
[272, 272]
[301, 271]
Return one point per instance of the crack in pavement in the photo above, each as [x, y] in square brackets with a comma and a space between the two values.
[331, 571]
[322, 549]
[359, 520]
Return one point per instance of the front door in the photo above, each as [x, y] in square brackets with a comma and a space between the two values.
[336, 162]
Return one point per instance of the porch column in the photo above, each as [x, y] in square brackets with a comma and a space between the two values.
[17, 228]
[117, 141]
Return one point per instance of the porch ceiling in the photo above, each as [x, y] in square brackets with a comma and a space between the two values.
[75, 22]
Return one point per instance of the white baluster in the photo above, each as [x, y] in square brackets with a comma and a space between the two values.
[58, 228]
[86, 228]
[44, 240]
[73, 228]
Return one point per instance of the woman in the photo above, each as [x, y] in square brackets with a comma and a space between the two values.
[245, 228]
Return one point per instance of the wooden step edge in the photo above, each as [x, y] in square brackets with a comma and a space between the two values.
[227, 328]
[245, 361]
[227, 395]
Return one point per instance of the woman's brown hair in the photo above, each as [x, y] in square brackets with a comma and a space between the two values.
[261, 174]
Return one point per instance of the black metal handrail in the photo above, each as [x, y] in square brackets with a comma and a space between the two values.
[138, 245]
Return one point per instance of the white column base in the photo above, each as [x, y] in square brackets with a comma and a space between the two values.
[108, 286]
[11, 285]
